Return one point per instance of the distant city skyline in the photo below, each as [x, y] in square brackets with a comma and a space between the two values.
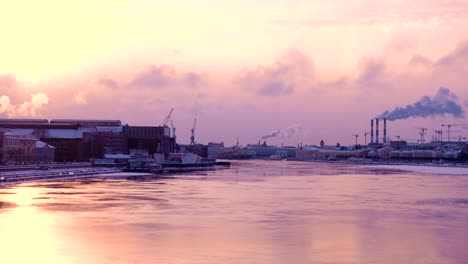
[286, 71]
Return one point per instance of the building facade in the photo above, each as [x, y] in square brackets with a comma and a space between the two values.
[24, 149]
[154, 139]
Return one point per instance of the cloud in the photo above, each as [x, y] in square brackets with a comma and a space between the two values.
[291, 72]
[10, 87]
[456, 57]
[108, 82]
[26, 109]
[5, 106]
[274, 88]
[193, 79]
[7, 82]
[420, 60]
[80, 98]
[155, 77]
[372, 74]
[372, 13]
[158, 77]
[334, 84]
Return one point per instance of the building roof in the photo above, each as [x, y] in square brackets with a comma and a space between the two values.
[40, 144]
[63, 133]
[116, 156]
[23, 121]
[86, 122]
[115, 129]
[19, 131]
[69, 133]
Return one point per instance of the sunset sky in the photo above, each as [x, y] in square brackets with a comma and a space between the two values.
[311, 69]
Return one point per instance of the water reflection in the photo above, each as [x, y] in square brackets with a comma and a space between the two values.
[256, 212]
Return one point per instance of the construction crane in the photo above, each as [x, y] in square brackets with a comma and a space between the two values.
[168, 117]
[422, 133]
[356, 136]
[439, 134]
[173, 130]
[448, 129]
[365, 137]
[192, 137]
[398, 138]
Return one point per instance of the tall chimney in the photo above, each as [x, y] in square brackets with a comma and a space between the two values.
[384, 130]
[372, 131]
[377, 130]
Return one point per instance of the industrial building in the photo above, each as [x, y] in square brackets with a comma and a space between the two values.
[23, 149]
[83, 139]
[155, 139]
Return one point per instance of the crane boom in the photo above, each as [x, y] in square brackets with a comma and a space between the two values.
[192, 137]
[168, 117]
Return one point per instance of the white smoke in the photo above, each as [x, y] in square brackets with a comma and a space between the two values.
[26, 109]
[286, 133]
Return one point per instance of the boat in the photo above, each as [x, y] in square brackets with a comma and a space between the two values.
[141, 162]
[177, 162]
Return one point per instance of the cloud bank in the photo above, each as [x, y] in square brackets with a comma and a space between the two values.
[291, 72]
[26, 109]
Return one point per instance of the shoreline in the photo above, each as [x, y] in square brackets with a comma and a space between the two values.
[17, 174]
[21, 174]
[397, 163]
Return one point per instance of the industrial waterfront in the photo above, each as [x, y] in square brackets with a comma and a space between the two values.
[111, 143]
[256, 212]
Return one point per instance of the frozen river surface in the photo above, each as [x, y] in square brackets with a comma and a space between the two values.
[255, 212]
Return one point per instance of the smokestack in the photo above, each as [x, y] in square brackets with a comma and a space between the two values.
[372, 131]
[377, 130]
[385, 130]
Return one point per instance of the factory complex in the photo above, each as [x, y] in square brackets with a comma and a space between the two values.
[27, 141]
[378, 149]
[32, 141]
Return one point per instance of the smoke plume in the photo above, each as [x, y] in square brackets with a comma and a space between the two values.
[26, 109]
[444, 102]
[285, 133]
[272, 134]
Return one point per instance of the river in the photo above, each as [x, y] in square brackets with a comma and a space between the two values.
[254, 212]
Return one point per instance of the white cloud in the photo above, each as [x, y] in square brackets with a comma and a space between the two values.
[80, 98]
[26, 109]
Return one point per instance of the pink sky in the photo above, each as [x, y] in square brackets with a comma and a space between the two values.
[313, 69]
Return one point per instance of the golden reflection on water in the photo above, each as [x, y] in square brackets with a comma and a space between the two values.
[237, 216]
[27, 235]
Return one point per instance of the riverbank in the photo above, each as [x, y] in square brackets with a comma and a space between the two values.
[15, 174]
[391, 162]
[19, 174]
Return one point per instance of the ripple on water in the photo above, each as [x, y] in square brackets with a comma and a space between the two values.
[84, 207]
[53, 185]
[5, 205]
[450, 201]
